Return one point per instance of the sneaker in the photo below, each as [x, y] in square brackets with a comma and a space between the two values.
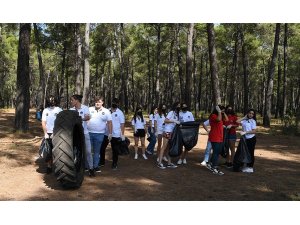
[184, 161]
[209, 166]
[171, 165]
[217, 171]
[145, 157]
[203, 163]
[179, 162]
[148, 152]
[114, 167]
[97, 169]
[136, 156]
[49, 170]
[92, 173]
[247, 170]
[161, 166]
[165, 159]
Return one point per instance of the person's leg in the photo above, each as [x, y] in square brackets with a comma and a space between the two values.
[151, 145]
[163, 149]
[102, 151]
[232, 150]
[207, 151]
[216, 146]
[98, 139]
[88, 151]
[115, 154]
[251, 147]
[136, 148]
[159, 142]
[143, 147]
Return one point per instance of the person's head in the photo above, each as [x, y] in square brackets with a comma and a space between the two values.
[51, 101]
[222, 109]
[76, 100]
[115, 103]
[184, 107]
[176, 106]
[251, 114]
[229, 110]
[153, 110]
[99, 101]
[162, 109]
[138, 112]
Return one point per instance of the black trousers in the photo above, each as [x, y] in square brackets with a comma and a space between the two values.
[251, 142]
[103, 149]
[115, 145]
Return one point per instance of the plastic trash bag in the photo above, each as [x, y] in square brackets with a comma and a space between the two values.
[175, 143]
[241, 156]
[189, 133]
[123, 147]
[45, 149]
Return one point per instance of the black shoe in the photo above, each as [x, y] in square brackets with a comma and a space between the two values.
[97, 169]
[114, 166]
[229, 165]
[92, 173]
[49, 170]
[101, 165]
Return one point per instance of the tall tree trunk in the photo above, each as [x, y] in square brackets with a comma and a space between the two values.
[149, 75]
[232, 94]
[246, 73]
[86, 87]
[179, 61]
[269, 91]
[200, 83]
[78, 60]
[23, 80]
[285, 46]
[63, 76]
[189, 65]
[213, 64]
[157, 88]
[40, 94]
[278, 102]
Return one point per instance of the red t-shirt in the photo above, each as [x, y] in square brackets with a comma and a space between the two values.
[231, 120]
[216, 129]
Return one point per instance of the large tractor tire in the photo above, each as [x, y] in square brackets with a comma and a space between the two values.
[69, 149]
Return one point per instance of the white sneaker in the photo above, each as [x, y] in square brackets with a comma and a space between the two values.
[165, 159]
[247, 170]
[145, 157]
[179, 162]
[184, 161]
[136, 156]
[157, 160]
[203, 163]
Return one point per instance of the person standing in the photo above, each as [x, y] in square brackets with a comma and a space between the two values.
[249, 130]
[118, 125]
[208, 144]
[159, 124]
[100, 119]
[139, 126]
[184, 116]
[48, 119]
[216, 137]
[230, 127]
[151, 131]
[170, 122]
[84, 113]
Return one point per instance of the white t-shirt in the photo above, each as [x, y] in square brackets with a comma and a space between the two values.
[186, 116]
[98, 121]
[49, 115]
[160, 120]
[169, 127]
[206, 123]
[151, 118]
[84, 110]
[117, 119]
[248, 125]
[138, 124]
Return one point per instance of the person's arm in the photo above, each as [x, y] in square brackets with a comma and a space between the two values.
[44, 127]
[225, 117]
[241, 119]
[205, 128]
[109, 125]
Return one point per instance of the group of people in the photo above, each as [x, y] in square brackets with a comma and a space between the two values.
[103, 126]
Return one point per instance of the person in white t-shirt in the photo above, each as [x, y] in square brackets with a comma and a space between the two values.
[159, 124]
[184, 116]
[118, 129]
[139, 127]
[151, 131]
[170, 122]
[248, 123]
[100, 119]
[84, 113]
[48, 119]
[208, 148]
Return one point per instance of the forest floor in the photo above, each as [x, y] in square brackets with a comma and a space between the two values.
[23, 177]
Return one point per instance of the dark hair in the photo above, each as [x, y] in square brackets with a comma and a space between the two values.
[229, 106]
[98, 98]
[184, 104]
[174, 108]
[77, 97]
[49, 99]
[215, 110]
[160, 110]
[254, 115]
[152, 110]
[115, 100]
[136, 113]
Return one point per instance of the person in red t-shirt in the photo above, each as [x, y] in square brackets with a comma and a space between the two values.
[231, 126]
[216, 137]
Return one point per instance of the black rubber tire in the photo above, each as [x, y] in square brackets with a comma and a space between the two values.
[69, 149]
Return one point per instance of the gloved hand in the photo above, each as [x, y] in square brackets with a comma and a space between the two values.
[109, 137]
[46, 136]
[123, 137]
[51, 136]
[242, 133]
[229, 126]
[152, 130]
[218, 109]
[135, 130]
[176, 121]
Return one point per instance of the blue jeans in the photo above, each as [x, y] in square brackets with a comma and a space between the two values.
[152, 142]
[207, 151]
[96, 142]
[217, 147]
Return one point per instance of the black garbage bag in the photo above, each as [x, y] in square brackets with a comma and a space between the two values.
[189, 132]
[123, 146]
[225, 148]
[241, 156]
[45, 149]
[175, 143]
